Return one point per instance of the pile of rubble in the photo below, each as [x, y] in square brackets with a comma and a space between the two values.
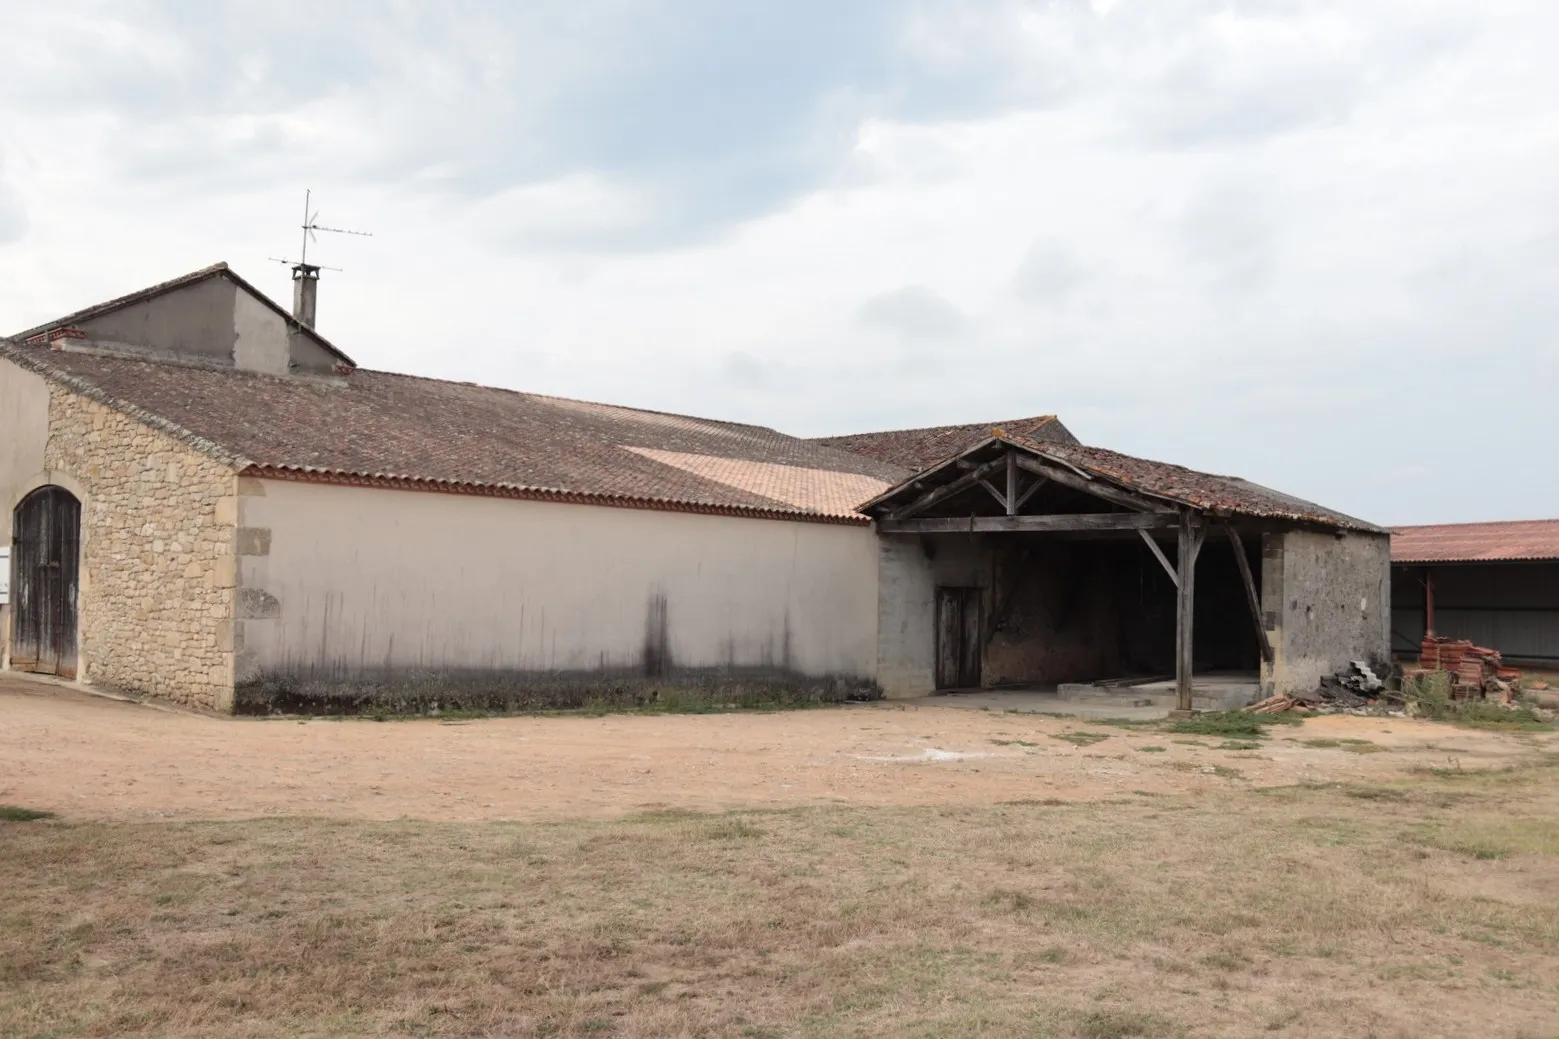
[1354, 688]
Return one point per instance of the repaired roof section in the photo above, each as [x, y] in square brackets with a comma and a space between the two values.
[922, 448]
[216, 270]
[382, 429]
[1476, 542]
[1172, 484]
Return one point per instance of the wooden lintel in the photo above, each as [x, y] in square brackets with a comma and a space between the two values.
[1158, 553]
[1250, 591]
[1058, 523]
[1097, 488]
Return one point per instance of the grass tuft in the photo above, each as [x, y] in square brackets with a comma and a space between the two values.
[1082, 739]
[13, 814]
[1238, 725]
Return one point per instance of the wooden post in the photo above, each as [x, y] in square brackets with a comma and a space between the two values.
[1185, 608]
[1012, 482]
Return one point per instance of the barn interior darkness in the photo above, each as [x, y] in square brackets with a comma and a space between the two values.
[1075, 610]
[1071, 601]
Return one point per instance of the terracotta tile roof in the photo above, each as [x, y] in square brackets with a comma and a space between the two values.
[375, 427]
[1228, 495]
[823, 489]
[1175, 484]
[1476, 542]
[921, 448]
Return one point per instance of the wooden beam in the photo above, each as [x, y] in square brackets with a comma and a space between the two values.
[1012, 483]
[1185, 609]
[947, 490]
[1094, 487]
[1039, 481]
[1001, 499]
[1250, 591]
[1056, 523]
[1158, 553]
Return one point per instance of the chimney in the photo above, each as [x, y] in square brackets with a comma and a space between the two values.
[305, 293]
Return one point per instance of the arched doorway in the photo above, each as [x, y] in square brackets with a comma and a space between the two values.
[45, 564]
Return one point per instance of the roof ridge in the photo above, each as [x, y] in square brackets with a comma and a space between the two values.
[1039, 422]
[1472, 523]
[576, 400]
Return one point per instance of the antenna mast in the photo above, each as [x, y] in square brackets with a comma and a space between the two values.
[305, 275]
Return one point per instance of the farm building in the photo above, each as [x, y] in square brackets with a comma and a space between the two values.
[1496, 584]
[209, 502]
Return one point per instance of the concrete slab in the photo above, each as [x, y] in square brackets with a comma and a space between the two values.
[1040, 702]
[1219, 691]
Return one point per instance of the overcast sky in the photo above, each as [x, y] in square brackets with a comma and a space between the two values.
[1308, 242]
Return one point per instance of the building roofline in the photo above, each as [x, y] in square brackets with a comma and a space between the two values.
[1056, 455]
[339, 477]
[27, 358]
[219, 269]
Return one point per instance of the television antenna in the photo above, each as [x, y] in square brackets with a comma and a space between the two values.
[305, 275]
[311, 225]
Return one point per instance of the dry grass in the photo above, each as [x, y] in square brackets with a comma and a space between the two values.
[1419, 908]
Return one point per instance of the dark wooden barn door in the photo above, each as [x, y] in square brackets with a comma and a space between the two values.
[45, 549]
[958, 641]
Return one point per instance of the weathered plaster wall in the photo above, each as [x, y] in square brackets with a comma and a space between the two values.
[24, 433]
[1326, 600]
[260, 339]
[157, 567]
[349, 590]
[910, 569]
[195, 320]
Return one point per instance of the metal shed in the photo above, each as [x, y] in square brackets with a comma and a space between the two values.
[1496, 584]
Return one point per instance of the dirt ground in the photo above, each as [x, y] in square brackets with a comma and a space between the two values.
[90, 758]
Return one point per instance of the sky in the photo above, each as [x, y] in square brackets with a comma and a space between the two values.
[1314, 243]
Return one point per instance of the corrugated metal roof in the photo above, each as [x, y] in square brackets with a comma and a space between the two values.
[1476, 542]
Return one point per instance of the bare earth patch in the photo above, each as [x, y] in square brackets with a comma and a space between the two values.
[87, 757]
[920, 872]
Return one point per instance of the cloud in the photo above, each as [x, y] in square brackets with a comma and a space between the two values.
[1253, 238]
[1050, 272]
[914, 314]
[1228, 230]
[13, 216]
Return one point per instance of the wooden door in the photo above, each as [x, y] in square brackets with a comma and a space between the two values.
[958, 641]
[45, 555]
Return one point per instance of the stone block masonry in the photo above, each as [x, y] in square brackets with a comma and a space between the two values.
[158, 567]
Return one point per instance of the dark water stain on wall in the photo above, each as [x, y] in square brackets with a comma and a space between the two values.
[657, 637]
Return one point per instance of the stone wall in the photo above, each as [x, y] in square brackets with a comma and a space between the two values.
[1326, 600]
[158, 526]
